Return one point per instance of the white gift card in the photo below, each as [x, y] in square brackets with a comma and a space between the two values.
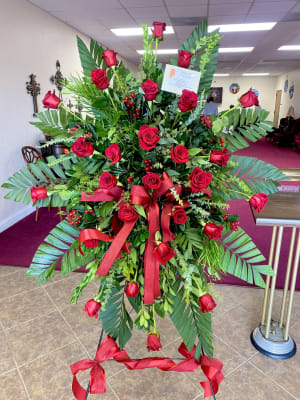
[176, 79]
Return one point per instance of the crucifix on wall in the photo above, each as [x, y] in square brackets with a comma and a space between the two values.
[58, 80]
[33, 88]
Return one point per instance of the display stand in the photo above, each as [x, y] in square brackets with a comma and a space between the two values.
[272, 338]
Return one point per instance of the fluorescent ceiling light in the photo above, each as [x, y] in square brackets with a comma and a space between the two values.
[160, 51]
[138, 31]
[256, 74]
[221, 74]
[261, 26]
[291, 47]
[235, 49]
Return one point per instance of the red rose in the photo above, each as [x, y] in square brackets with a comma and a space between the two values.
[109, 56]
[148, 137]
[206, 303]
[38, 193]
[184, 58]
[249, 99]
[153, 342]
[51, 100]
[99, 78]
[199, 179]
[158, 29]
[258, 201]
[82, 148]
[219, 157]
[188, 100]
[113, 153]
[213, 231]
[179, 215]
[164, 253]
[151, 180]
[151, 90]
[127, 213]
[132, 289]
[179, 154]
[107, 181]
[92, 308]
[170, 196]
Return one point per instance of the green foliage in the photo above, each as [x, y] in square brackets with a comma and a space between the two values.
[88, 60]
[52, 122]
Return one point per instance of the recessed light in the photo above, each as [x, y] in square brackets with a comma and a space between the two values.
[290, 47]
[256, 74]
[138, 31]
[235, 49]
[160, 51]
[221, 74]
[261, 26]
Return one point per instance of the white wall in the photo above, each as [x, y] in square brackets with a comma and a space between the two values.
[293, 78]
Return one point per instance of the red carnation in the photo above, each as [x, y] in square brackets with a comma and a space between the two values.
[153, 342]
[38, 193]
[199, 179]
[258, 201]
[164, 253]
[132, 289]
[213, 231]
[107, 181]
[109, 56]
[151, 90]
[92, 308]
[99, 78]
[127, 213]
[184, 58]
[51, 100]
[158, 29]
[188, 100]
[206, 303]
[151, 180]
[219, 157]
[179, 215]
[180, 154]
[113, 153]
[249, 99]
[82, 148]
[148, 137]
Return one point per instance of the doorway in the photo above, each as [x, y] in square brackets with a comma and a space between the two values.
[277, 107]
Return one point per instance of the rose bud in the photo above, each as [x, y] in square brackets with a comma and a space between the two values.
[132, 289]
[113, 153]
[91, 243]
[109, 56]
[38, 193]
[188, 100]
[180, 154]
[99, 78]
[107, 181]
[164, 253]
[148, 137]
[184, 58]
[127, 213]
[158, 29]
[153, 342]
[92, 308]
[51, 100]
[249, 99]
[179, 215]
[199, 179]
[258, 201]
[151, 181]
[151, 90]
[206, 303]
[219, 157]
[82, 148]
[213, 231]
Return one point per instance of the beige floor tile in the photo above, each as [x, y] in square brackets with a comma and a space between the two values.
[6, 357]
[24, 307]
[6, 270]
[11, 387]
[15, 283]
[40, 336]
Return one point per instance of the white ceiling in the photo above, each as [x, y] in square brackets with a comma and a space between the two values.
[95, 18]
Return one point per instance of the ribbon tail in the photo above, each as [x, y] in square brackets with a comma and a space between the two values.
[77, 389]
[97, 380]
[168, 236]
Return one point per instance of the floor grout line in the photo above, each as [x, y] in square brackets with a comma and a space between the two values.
[25, 322]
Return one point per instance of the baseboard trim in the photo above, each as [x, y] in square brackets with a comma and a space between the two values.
[13, 219]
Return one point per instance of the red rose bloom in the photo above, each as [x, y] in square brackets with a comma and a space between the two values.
[179, 154]
[184, 58]
[107, 181]
[38, 193]
[164, 253]
[258, 201]
[206, 303]
[132, 289]
[91, 243]
[113, 153]
[51, 100]
[188, 100]
[213, 231]
[151, 180]
[127, 213]
[82, 148]
[109, 56]
[219, 157]
[151, 90]
[158, 29]
[153, 342]
[199, 179]
[148, 137]
[92, 308]
[249, 99]
[179, 215]
[99, 78]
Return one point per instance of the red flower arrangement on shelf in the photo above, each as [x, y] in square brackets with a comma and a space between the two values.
[145, 183]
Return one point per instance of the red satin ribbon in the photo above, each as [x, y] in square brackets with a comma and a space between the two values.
[103, 194]
[212, 370]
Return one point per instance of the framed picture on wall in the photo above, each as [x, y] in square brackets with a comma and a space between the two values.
[217, 94]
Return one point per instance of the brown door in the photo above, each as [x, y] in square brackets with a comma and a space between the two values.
[277, 107]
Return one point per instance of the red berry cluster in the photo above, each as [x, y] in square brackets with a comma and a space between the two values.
[130, 104]
[226, 216]
[207, 122]
[222, 141]
[130, 179]
[148, 165]
[73, 217]
[90, 212]
[235, 225]
[75, 128]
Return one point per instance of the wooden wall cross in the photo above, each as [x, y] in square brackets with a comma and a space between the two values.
[34, 89]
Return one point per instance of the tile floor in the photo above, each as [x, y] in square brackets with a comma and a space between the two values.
[41, 335]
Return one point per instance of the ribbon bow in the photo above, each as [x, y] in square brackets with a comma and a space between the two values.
[212, 370]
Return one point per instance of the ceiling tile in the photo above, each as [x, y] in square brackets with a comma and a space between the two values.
[142, 12]
[241, 39]
[229, 9]
[182, 3]
[226, 19]
[142, 3]
[264, 17]
[119, 19]
[183, 32]
[296, 40]
[272, 6]
[188, 11]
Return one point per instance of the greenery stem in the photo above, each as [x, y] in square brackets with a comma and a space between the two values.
[112, 102]
[156, 48]
[71, 112]
[176, 118]
[154, 321]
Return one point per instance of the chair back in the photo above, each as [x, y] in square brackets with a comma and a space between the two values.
[31, 154]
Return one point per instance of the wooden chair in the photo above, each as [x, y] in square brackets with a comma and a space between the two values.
[32, 155]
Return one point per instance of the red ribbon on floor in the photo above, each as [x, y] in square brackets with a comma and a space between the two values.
[212, 370]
